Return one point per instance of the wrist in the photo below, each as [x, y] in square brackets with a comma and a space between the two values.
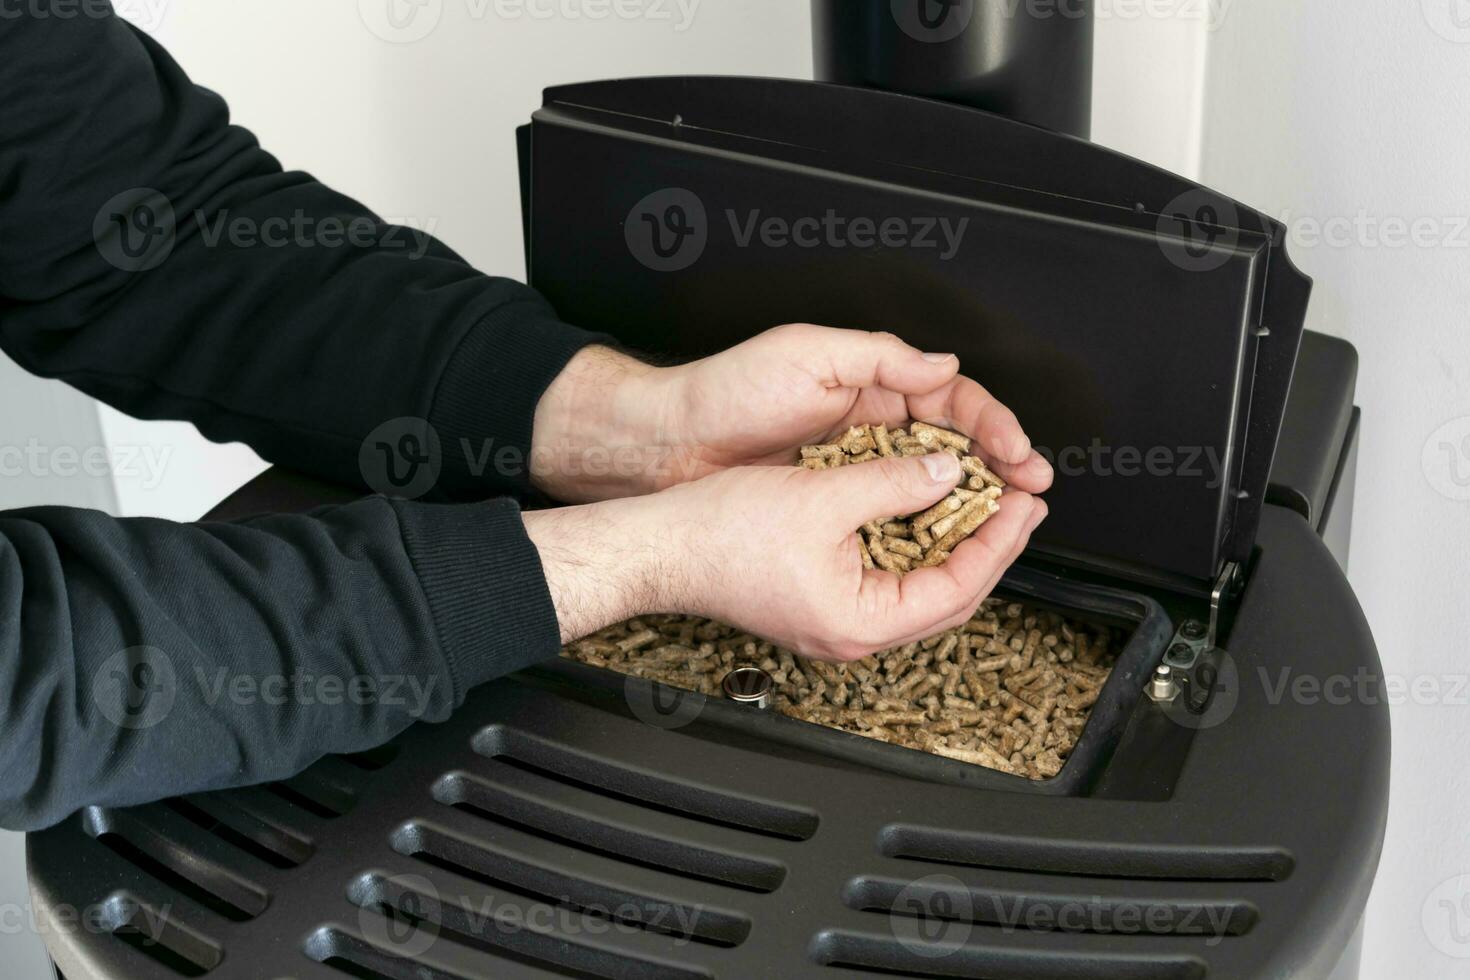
[606, 562]
[599, 429]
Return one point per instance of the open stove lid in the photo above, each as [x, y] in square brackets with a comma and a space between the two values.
[1143, 327]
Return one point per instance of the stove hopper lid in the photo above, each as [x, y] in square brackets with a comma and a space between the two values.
[1144, 328]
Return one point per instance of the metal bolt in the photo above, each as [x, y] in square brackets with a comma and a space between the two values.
[749, 685]
[1192, 629]
[1180, 655]
[1163, 687]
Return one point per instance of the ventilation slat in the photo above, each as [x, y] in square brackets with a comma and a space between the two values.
[911, 956]
[154, 933]
[259, 803]
[498, 924]
[646, 787]
[1203, 862]
[178, 860]
[276, 846]
[944, 898]
[556, 857]
[322, 797]
[485, 862]
[608, 826]
[353, 955]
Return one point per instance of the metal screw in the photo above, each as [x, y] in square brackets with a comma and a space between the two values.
[1180, 655]
[1163, 687]
[1192, 629]
[749, 685]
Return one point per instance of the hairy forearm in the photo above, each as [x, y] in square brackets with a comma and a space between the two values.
[605, 562]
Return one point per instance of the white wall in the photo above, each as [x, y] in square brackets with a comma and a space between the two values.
[1348, 118]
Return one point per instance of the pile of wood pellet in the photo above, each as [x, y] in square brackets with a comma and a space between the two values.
[1010, 690]
[903, 543]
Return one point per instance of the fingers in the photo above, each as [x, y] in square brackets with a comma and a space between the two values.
[966, 406]
[859, 359]
[998, 547]
[1033, 476]
[930, 600]
[854, 495]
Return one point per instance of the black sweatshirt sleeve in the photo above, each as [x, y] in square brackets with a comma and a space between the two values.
[156, 257]
[139, 658]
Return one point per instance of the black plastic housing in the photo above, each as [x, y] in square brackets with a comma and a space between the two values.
[1143, 326]
[542, 797]
[1148, 629]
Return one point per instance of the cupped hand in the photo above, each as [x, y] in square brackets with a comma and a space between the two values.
[756, 404]
[772, 550]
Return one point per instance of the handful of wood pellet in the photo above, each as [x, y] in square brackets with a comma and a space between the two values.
[903, 543]
[1010, 690]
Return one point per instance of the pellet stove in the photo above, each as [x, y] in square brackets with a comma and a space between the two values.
[570, 823]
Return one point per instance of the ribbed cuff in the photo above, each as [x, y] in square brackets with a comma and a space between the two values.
[486, 399]
[485, 585]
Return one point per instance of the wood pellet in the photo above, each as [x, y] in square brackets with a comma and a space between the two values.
[1010, 690]
[902, 543]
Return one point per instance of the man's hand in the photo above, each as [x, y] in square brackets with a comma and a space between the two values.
[772, 550]
[610, 426]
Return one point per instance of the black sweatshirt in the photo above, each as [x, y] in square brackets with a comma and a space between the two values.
[141, 658]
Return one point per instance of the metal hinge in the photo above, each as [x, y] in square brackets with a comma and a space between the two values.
[1222, 596]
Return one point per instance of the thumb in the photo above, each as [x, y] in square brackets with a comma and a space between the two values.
[862, 492]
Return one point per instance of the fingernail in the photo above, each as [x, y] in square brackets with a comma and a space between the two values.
[942, 468]
[937, 358]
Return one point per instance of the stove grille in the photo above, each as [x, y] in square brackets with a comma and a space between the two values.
[542, 847]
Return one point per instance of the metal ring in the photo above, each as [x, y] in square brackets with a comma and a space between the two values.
[749, 685]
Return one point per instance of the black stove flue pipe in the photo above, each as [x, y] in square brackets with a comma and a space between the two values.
[1027, 59]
